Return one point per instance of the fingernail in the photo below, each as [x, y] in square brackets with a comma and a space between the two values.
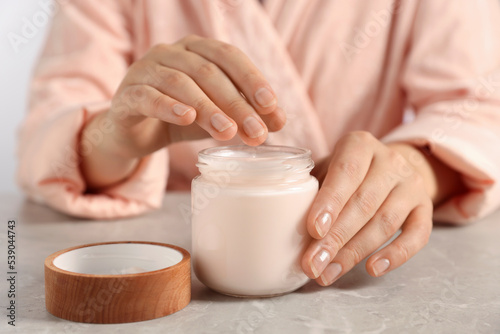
[252, 127]
[380, 266]
[220, 122]
[323, 223]
[180, 109]
[264, 97]
[319, 262]
[331, 273]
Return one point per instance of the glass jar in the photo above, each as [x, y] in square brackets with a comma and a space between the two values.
[249, 206]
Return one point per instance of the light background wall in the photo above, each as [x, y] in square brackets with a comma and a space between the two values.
[15, 71]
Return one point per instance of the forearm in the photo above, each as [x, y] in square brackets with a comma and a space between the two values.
[102, 160]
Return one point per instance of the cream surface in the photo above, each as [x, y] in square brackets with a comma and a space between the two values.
[247, 241]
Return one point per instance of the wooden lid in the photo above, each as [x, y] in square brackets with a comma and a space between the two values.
[117, 282]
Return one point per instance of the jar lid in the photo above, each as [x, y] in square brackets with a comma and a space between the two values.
[117, 282]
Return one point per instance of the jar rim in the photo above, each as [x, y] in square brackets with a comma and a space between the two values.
[260, 153]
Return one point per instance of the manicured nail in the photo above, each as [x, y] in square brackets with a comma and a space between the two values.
[220, 122]
[253, 128]
[380, 266]
[331, 273]
[319, 262]
[180, 109]
[323, 223]
[264, 97]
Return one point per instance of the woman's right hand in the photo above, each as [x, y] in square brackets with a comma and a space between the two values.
[192, 89]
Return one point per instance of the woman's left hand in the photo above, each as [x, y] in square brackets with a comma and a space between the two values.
[369, 191]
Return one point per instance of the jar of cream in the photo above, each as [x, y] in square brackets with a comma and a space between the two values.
[249, 206]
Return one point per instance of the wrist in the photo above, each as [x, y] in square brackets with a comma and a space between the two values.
[104, 162]
[109, 138]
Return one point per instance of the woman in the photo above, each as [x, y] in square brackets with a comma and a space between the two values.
[124, 87]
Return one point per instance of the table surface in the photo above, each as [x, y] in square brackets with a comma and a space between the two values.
[451, 286]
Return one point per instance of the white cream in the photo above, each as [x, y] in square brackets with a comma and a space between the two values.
[249, 209]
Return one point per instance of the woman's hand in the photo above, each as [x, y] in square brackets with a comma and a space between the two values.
[192, 89]
[369, 191]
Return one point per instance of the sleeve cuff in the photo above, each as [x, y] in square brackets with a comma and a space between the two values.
[49, 172]
[467, 148]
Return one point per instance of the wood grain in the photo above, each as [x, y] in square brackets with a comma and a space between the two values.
[110, 299]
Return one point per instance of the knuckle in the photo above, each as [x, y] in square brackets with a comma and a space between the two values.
[354, 253]
[351, 169]
[225, 49]
[334, 199]
[156, 105]
[253, 76]
[125, 93]
[173, 78]
[359, 140]
[365, 201]
[402, 251]
[134, 94]
[389, 223]
[207, 69]
[202, 104]
[417, 180]
[390, 178]
[137, 66]
[236, 105]
[189, 38]
[395, 158]
[335, 241]
[151, 73]
[160, 48]
[404, 169]
[360, 136]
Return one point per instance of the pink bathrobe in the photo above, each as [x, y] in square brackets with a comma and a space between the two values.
[336, 66]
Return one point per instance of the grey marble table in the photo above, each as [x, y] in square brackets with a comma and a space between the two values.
[451, 286]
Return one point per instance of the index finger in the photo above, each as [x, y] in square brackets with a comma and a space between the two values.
[245, 75]
[348, 167]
